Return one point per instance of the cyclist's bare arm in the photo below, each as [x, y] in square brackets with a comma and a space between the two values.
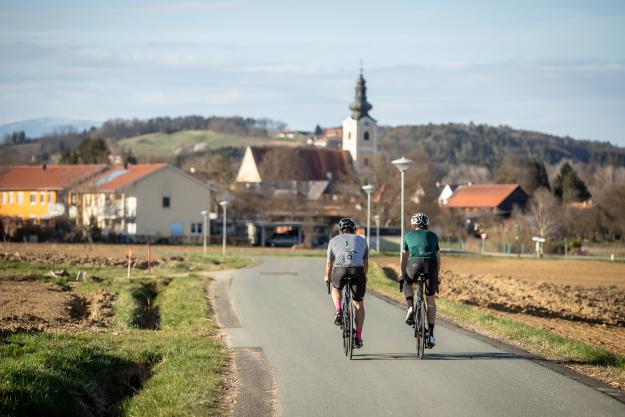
[365, 266]
[403, 264]
[329, 266]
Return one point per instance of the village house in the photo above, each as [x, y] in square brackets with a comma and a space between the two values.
[145, 201]
[41, 192]
[302, 171]
[446, 193]
[475, 200]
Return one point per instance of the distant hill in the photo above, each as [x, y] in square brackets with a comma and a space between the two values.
[35, 128]
[486, 145]
[164, 146]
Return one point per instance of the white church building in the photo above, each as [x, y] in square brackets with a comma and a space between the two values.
[360, 130]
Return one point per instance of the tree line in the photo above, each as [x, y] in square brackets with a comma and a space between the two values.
[125, 128]
[484, 145]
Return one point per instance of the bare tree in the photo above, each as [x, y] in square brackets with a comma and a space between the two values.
[546, 213]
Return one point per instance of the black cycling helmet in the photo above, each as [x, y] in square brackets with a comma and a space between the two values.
[419, 220]
[347, 224]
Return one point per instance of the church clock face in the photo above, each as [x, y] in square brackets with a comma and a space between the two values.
[366, 123]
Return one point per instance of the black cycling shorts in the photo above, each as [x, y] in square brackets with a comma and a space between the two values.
[427, 266]
[359, 280]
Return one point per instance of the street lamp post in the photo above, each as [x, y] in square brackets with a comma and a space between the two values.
[224, 204]
[402, 165]
[368, 189]
[377, 232]
[205, 215]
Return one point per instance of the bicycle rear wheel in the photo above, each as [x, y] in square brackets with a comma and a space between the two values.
[421, 317]
[351, 331]
[346, 327]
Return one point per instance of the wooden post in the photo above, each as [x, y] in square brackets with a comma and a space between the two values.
[149, 258]
[129, 260]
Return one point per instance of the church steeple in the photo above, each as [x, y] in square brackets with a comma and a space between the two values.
[360, 107]
[360, 131]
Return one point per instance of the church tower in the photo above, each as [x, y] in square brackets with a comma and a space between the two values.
[360, 131]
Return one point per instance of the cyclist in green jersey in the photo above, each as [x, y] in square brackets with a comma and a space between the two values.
[421, 254]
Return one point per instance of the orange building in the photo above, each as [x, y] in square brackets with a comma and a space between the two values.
[41, 191]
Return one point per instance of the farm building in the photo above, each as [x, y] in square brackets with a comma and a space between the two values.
[477, 199]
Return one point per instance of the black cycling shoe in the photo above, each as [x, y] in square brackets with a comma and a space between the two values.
[338, 318]
[358, 343]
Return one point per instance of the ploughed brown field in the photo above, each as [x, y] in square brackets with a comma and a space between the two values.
[26, 304]
[580, 299]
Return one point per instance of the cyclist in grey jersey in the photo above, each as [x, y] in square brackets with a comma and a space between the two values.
[348, 256]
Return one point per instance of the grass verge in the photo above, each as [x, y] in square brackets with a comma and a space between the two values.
[535, 340]
[127, 369]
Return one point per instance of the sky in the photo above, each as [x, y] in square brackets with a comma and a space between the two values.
[553, 66]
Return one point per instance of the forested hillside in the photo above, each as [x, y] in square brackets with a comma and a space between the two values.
[451, 144]
[486, 145]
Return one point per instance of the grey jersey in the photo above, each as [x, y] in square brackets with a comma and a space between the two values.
[347, 250]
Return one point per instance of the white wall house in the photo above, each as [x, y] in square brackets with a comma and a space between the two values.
[446, 193]
[146, 201]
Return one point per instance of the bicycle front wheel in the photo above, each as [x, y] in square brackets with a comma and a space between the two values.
[346, 328]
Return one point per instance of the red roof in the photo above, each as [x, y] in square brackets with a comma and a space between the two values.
[120, 176]
[46, 177]
[481, 195]
[312, 164]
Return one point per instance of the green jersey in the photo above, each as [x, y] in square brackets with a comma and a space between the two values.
[421, 244]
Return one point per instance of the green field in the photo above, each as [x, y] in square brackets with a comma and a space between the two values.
[164, 145]
[159, 357]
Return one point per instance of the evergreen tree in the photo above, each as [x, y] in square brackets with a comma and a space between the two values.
[568, 186]
[529, 174]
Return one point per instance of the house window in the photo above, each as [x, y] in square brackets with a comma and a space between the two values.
[11, 198]
[33, 198]
[42, 198]
[20, 197]
[196, 228]
[366, 136]
[166, 202]
[51, 197]
[4, 197]
[349, 135]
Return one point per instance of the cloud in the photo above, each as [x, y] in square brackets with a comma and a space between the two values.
[175, 7]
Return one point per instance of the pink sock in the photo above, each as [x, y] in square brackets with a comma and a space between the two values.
[359, 333]
[339, 307]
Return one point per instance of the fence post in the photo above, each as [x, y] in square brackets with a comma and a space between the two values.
[129, 260]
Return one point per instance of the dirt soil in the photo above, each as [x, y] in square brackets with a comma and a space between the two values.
[85, 260]
[37, 306]
[582, 300]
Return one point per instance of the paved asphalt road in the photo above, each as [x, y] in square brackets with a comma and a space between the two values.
[284, 309]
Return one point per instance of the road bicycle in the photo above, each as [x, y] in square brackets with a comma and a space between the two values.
[419, 314]
[347, 326]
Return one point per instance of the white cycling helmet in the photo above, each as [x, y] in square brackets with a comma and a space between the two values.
[419, 220]
[347, 224]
